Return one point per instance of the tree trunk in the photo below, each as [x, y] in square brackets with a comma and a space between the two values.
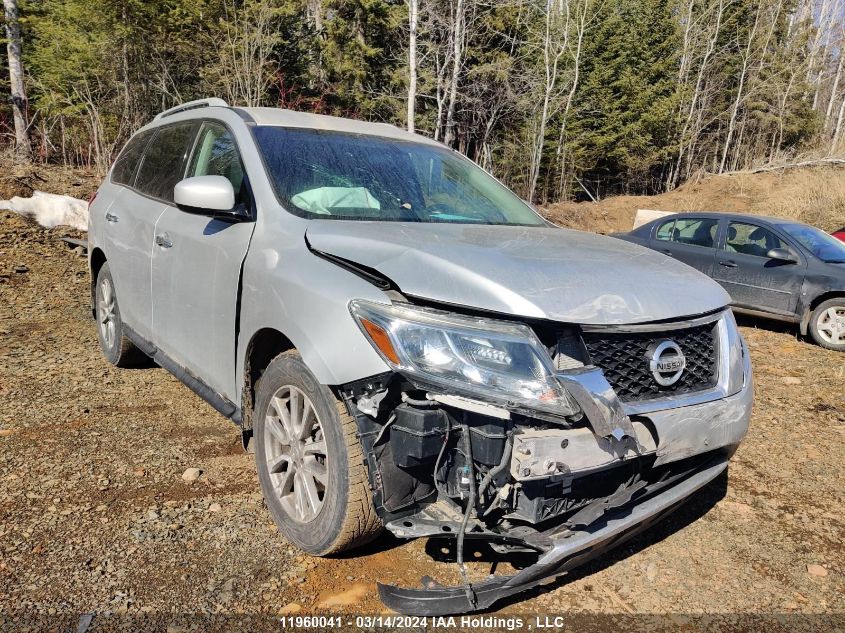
[457, 44]
[413, 15]
[834, 89]
[837, 131]
[13, 46]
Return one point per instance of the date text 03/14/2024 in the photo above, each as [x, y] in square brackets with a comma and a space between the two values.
[511, 623]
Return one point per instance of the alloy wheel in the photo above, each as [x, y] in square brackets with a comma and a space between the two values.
[106, 313]
[295, 450]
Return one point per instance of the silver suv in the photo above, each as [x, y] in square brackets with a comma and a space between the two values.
[406, 344]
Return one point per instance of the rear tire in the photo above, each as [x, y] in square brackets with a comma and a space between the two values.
[827, 324]
[309, 461]
[117, 349]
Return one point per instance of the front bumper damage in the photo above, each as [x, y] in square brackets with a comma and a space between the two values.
[567, 550]
[673, 448]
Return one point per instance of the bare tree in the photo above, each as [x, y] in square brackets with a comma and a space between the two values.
[701, 34]
[246, 66]
[753, 55]
[18, 94]
[560, 43]
[458, 38]
[413, 19]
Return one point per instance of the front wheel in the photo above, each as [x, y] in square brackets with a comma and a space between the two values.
[309, 461]
[827, 324]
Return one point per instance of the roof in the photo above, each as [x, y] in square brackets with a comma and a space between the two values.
[305, 120]
[733, 216]
[292, 118]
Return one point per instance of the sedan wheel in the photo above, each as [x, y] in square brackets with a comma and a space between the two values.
[827, 324]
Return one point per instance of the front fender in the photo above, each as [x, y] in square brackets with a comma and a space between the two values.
[306, 298]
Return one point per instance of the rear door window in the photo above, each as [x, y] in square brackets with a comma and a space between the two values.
[695, 231]
[123, 172]
[691, 231]
[164, 160]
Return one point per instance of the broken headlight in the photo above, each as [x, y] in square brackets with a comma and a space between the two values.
[501, 361]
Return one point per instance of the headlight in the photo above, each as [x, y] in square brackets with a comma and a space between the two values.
[734, 361]
[501, 361]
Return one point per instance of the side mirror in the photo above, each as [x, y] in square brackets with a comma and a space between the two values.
[207, 195]
[782, 255]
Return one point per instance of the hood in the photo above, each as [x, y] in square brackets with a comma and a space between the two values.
[538, 272]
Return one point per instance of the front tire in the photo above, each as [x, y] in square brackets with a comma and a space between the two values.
[827, 324]
[309, 461]
[117, 349]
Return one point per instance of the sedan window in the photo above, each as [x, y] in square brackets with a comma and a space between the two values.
[664, 231]
[750, 239]
[692, 231]
[824, 246]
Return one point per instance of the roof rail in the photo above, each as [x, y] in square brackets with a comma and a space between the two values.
[199, 103]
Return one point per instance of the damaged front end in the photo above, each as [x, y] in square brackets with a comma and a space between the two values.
[556, 441]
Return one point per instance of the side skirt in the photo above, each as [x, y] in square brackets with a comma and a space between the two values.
[220, 403]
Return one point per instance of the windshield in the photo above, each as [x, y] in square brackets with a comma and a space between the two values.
[338, 176]
[824, 246]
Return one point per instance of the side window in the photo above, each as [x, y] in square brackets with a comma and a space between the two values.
[164, 160]
[695, 231]
[216, 154]
[123, 172]
[750, 239]
[664, 231]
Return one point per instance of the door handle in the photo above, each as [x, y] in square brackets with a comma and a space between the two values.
[666, 251]
[111, 217]
[728, 264]
[164, 241]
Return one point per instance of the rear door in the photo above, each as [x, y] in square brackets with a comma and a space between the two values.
[136, 212]
[691, 240]
[196, 269]
[753, 280]
[127, 232]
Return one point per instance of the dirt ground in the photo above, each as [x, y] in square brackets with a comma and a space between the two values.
[95, 516]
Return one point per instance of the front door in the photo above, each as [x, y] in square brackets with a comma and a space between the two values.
[754, 280]
[196, 270]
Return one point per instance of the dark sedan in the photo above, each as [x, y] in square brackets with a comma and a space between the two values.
[771, 267]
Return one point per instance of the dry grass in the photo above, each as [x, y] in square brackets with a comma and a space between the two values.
[815, 195]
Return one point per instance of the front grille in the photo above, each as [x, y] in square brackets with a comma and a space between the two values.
[623, 358]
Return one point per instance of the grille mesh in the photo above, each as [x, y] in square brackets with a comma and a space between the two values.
[622, 357]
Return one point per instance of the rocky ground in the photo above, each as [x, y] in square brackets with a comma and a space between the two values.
[99, 512]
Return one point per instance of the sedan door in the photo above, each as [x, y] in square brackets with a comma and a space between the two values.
[691, 240]
[755, 281]
[196, 270]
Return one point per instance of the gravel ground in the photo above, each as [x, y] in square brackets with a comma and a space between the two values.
[96, 514]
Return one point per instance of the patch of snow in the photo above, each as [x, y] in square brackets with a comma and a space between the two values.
[50, 209]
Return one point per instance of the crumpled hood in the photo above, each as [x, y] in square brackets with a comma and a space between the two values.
[546, 273]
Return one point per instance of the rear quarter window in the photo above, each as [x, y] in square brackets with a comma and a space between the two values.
[123, 172]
